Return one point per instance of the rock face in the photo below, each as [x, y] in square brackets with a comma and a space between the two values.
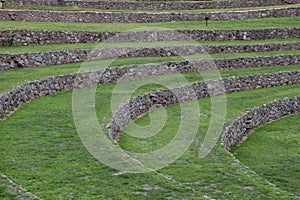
[28, 37]
[158, 5]
[134, 17]
[240, 127]
[26, 60]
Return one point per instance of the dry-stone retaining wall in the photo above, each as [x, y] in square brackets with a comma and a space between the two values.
[131, 17]
[29, 37]
[26, 60]
[169, 5]
[8, 62]
[239, 128]
[143, 103]
[155, 5]
[11, 100]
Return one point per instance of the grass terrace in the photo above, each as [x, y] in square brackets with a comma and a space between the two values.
[14, 77]
[41, 150]
[55, 47]
[279, 142]
[265, 23]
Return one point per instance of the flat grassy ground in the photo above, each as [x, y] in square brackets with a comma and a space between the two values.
[284, 22]
[4, 191]
[272, 151]
[54, 47]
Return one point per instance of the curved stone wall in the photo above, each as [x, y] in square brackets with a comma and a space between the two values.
[11, 100]
[29, 37]
[159, 5]
[133, 17]
[142, 103]
[27, 60]
[239, 128]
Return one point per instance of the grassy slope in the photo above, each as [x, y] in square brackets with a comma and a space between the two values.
[5, 192]
[53, 47]
[273, 152]
[284, 22]
[43, 153]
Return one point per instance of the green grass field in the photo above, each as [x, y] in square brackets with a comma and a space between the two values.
[40, 148]
[62, 147]
[4, 192]
[42, 152]
[272, 151]
[284, 22]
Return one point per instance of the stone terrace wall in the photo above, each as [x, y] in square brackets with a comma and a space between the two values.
[132, 17]
[258, 116]
[11, 100]
[171, 5]
[28, 37]
[38, 2]
[153, 5]
[27, 60]
[143, 103]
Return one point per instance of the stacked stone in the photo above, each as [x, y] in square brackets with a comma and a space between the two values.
[29, 37]
[156, 5]
[141, 17]
[27, 60]
[258, 116]
[143, 103]
[51, 85]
